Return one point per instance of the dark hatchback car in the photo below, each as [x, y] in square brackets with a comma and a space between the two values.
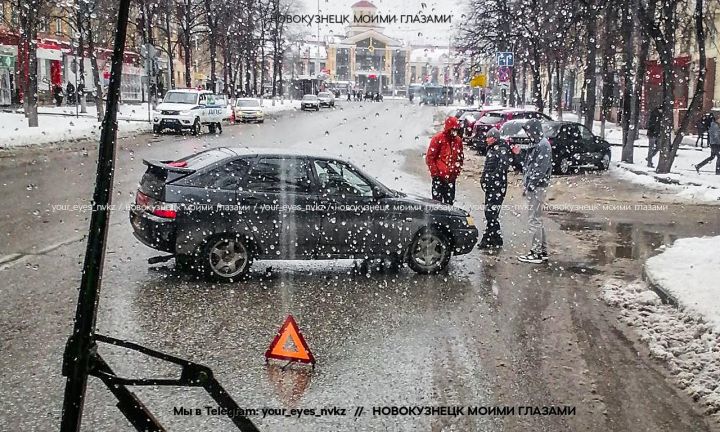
[218, 210]
[573, 145]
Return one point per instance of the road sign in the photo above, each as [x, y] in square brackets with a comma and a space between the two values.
[504, 74]
[279, 350]
[479, 80]
[505, 58]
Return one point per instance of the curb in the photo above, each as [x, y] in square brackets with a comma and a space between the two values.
[665, 296]
[664, 180]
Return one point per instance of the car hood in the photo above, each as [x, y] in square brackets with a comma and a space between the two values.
[427, 205]
[174, 107]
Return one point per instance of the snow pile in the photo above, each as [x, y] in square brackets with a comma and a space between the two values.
[280, 105]
[689, 272]
[689, 347]
[57, 124]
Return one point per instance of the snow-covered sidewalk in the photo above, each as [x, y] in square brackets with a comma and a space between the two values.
[58, 124]
[689, 273]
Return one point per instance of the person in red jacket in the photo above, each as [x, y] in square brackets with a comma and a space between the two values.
[444, 159]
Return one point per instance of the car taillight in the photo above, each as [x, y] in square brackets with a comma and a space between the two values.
[178, 164]
[164, 210]
[141, 199]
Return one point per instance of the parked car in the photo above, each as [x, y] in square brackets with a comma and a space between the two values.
[223, 101]
[467, 122]
[573, 145]
[496, 119]
[310, 101]
[326, 99]
[188, 109]
[219, 209]
[249, 109]
[576, 146]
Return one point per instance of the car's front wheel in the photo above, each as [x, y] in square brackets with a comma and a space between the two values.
[429, 252]
[197, 127]
[604, 163]
[225, 258]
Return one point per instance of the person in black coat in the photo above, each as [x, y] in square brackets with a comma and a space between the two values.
[494, 183]
[654, 128]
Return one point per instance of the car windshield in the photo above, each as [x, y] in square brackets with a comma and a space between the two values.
[248, 103]
[268, 190]
[491, 118]
[180, 97]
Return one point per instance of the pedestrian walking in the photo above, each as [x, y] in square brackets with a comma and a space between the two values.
[70, 93]
[444, 159]
[58, 94]
[494, 182]
[538, 166]
[714, 143]
[653, 132]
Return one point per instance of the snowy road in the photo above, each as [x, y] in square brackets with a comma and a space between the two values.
[489, 332]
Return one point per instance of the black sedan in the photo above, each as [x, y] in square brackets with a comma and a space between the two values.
[573, 145]
[217, 210]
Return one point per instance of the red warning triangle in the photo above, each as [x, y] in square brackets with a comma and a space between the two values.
[289, 334]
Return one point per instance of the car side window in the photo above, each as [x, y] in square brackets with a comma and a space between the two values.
[227, 177]
[279, 175]
[573, 133]
[339, 179]
[586, 135]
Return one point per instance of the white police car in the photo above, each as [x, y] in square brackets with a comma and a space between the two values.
[189, 109]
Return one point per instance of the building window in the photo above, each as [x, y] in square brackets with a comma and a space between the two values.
[58, 26]
[43, 25]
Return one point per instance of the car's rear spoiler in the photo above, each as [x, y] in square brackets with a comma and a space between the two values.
[168, 166]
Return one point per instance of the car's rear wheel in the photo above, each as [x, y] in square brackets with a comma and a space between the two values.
[225, 258]
[429, 252]
[563, 166]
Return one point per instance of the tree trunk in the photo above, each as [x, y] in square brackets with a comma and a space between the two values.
[524, 85]
[32, 82]
[666, 52]
[608, 75]
[627, 30]
[664, 165]
[170, 50]
[639, 84]
[212, 24]
[96, 77]
[590, 63]
[559, 78]
[537, 85]
[80, 91]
